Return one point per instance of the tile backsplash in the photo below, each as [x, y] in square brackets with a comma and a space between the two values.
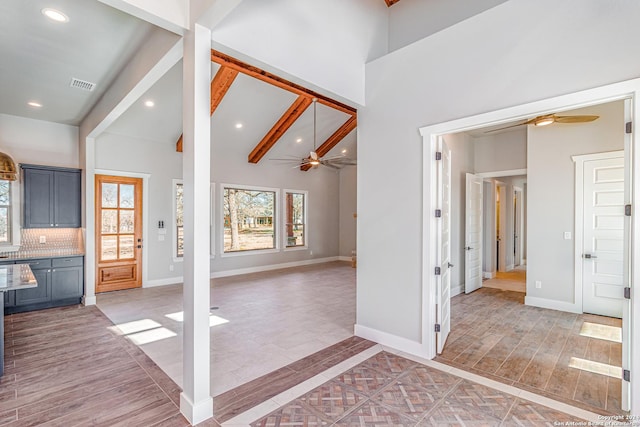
[55, 241]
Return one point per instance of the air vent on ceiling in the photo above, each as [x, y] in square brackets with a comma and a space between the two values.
[81, 84]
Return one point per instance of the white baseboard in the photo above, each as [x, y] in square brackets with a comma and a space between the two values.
[389, 340]
[552, 304]
[89, 300]
[162, 282]
[488, 274]
[258, 269]
[457, 290]
[344, 258]
[510, 267]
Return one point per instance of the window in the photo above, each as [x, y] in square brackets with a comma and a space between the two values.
[5, 212]
[249, 219]
[295, 208]
[179, 191]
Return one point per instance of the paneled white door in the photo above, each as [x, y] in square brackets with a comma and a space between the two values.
[603, 237]
[473, 234]
[443, 291]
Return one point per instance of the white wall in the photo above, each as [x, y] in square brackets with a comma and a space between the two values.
[490, 61]
[501, 151]
[348, 207]
[462, 154]
[412, 20]
[551, 193]
[322, 43]
[39, 142]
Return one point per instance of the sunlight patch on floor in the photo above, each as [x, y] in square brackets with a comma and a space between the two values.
[602, 332]
[135, 326]
[596, 367]
[213, 320]
[152, 335]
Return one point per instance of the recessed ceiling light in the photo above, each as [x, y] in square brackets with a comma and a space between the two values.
[55, 15]
[149, 103]
[238, 125]
[299, 140]
[344, 151]
[34, 104]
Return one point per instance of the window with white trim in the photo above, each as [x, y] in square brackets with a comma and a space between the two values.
[249, 219]
[295, 218]
[5, 213]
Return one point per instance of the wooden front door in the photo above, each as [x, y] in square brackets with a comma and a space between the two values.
[118, 233]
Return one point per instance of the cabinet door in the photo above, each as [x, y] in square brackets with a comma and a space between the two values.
[66, 206]
[9, 296]
[41, 293]
[66, 282]
[38, 198]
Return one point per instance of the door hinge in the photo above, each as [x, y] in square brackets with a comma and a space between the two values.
[626, 375]
[438, 155]
[627, 293]
[627, 210]
[628, 127]
[438, 213]
[437, 272]
[437, 328]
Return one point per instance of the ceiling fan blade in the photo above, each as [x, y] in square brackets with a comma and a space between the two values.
[508, 127]
[293, 159]
[327, 164]
[575, 119]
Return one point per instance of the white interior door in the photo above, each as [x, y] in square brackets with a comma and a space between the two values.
[603, 237]
[443, 311]
[473, 234]
[627, 273]
[517, 226]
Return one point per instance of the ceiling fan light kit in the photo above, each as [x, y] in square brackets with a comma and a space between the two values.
[544, 120]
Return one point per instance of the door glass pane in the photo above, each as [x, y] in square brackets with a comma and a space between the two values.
[126, 195]
[109, 221]
[109, 195]
[109, 248]
[126, 221]
[126, 247]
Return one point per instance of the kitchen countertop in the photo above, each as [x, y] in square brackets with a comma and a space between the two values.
[50, 253]
[16, 276]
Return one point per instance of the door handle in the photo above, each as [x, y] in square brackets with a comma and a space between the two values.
[589, 256]
[467, 248]
[449, 265]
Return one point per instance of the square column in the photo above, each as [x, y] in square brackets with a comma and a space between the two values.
[196, 403]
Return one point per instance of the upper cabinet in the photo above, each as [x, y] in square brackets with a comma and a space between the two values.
[52, 197]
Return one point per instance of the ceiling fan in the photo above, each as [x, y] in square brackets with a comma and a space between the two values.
[548, 119]
[313, 160]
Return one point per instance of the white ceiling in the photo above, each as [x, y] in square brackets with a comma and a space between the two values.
[40, 57]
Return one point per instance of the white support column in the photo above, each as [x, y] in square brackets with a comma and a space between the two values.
[196, 403]
[89, 166]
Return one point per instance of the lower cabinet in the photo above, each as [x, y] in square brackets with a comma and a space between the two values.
[60, 282]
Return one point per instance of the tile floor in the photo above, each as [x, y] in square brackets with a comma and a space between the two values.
[495, 335]
[265, 321]
[389, 390]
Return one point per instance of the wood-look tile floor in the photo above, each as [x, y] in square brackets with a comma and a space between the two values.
[68, 367]
[495, 335]
[264, 321]
[388, 390]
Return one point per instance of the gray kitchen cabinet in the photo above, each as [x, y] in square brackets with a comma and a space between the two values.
[9, 296]
[51, 197]
[39, 294]
[66, 278]
[60, 282]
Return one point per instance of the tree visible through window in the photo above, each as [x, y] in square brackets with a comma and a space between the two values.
[5, 211]
[249, 219]
[179, 220]
[295, 219]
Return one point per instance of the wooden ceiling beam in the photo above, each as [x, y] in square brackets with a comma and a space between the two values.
[334, 139]
[219, 87]
[276, 132]
[267, 77]
[391, 2]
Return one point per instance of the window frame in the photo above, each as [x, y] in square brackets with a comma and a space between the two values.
[174, 219]
[14, 242]
[276, 220]
[305, 220]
